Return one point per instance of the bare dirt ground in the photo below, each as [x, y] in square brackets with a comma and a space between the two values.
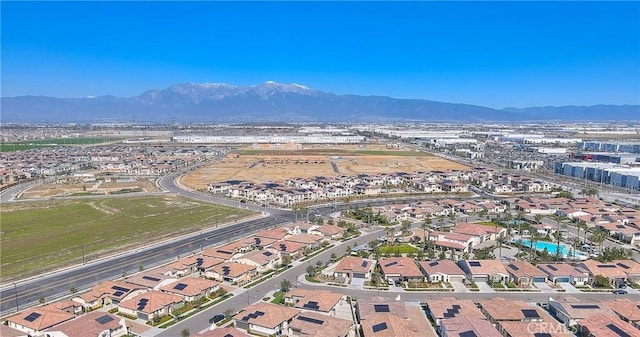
[273, 166]
[86, 188]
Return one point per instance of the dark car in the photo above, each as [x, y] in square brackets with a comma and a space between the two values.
[620, 292]
[216, 318]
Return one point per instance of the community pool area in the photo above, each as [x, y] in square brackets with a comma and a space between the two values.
[552, 247]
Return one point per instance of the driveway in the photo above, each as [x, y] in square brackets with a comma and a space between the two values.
[458, 287]
[356, 283]
[569, 288]
[544, 287]
[484, 287]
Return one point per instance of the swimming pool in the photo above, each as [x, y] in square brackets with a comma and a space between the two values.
[552, 248]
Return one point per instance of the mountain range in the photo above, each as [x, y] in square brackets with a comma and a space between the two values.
[276, 102]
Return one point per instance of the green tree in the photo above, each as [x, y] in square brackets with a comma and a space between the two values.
[424, 225]
[348, 250]
[73, 290]
[500, 241]
[185, 333]
[311, 271]
[600, 281]
[565, 194]
[41, 300]
[285, 285]
[228, 312]
[333, 257]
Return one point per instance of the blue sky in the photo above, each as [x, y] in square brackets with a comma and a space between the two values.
[495, 54]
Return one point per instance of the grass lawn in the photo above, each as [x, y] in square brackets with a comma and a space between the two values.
[278, 298]
[50, 234]
[34, 144]
[403, 249]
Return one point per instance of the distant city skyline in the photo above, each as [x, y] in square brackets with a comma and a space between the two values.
[494, 54]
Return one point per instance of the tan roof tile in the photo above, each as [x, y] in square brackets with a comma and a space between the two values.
[155, 300]
[266, 315]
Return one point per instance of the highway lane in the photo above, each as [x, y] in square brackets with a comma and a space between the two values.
[58, 284]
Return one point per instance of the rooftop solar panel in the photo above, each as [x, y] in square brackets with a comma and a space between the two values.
[310, 320]
[617, 330]
[104, 319]
[585, 306]
[311, 305]
[32, 316]
[622, 265]
[118, 293]
[530, 313]
[150, 278]
[199, 261]
[619, 226]
[434, 263]
[120, 288]
[267, 253]
[542, 334]
[228, 335]
[552, 267]
[391, 264]
[514, 267]
[180, 286]
[379, 327]
[381, 307]
[606, 266]
[469, 333]
[474, 263]
[364, 263]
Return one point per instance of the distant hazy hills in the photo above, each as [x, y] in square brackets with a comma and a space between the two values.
[270, 101]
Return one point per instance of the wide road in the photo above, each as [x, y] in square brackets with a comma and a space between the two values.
[54, 285]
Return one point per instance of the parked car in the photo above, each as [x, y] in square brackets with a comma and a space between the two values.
[620, 292]
[215, 319]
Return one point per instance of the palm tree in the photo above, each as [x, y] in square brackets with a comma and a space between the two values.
[598, 238]
[533, 238]
[575, 242]
[424, 225]
[558, 252]
[501, 240]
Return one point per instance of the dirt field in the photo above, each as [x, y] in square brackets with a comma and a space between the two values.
[87, 188]
[263, 166]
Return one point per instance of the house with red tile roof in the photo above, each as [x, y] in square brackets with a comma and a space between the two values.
[264, 260]
[462, 326]
[148, 279]
[615, 271]
[564, 272]
[233, 272]
[524, 273]
[350, 267]
[310, 241]
[400, 269]
[150, 305]
[276, 233]
[330, 232]
[313, 324]
[627, 310]
[36, 320]
[449, 307]
[223, 332]
[484, 270]
[93, 324]
[265, 319]
[441, 271]
[191, 288]
[601, 325]
[292, 249]
[106, 293]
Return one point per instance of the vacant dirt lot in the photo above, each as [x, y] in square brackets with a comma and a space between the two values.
[87, 188]
[264, 166]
